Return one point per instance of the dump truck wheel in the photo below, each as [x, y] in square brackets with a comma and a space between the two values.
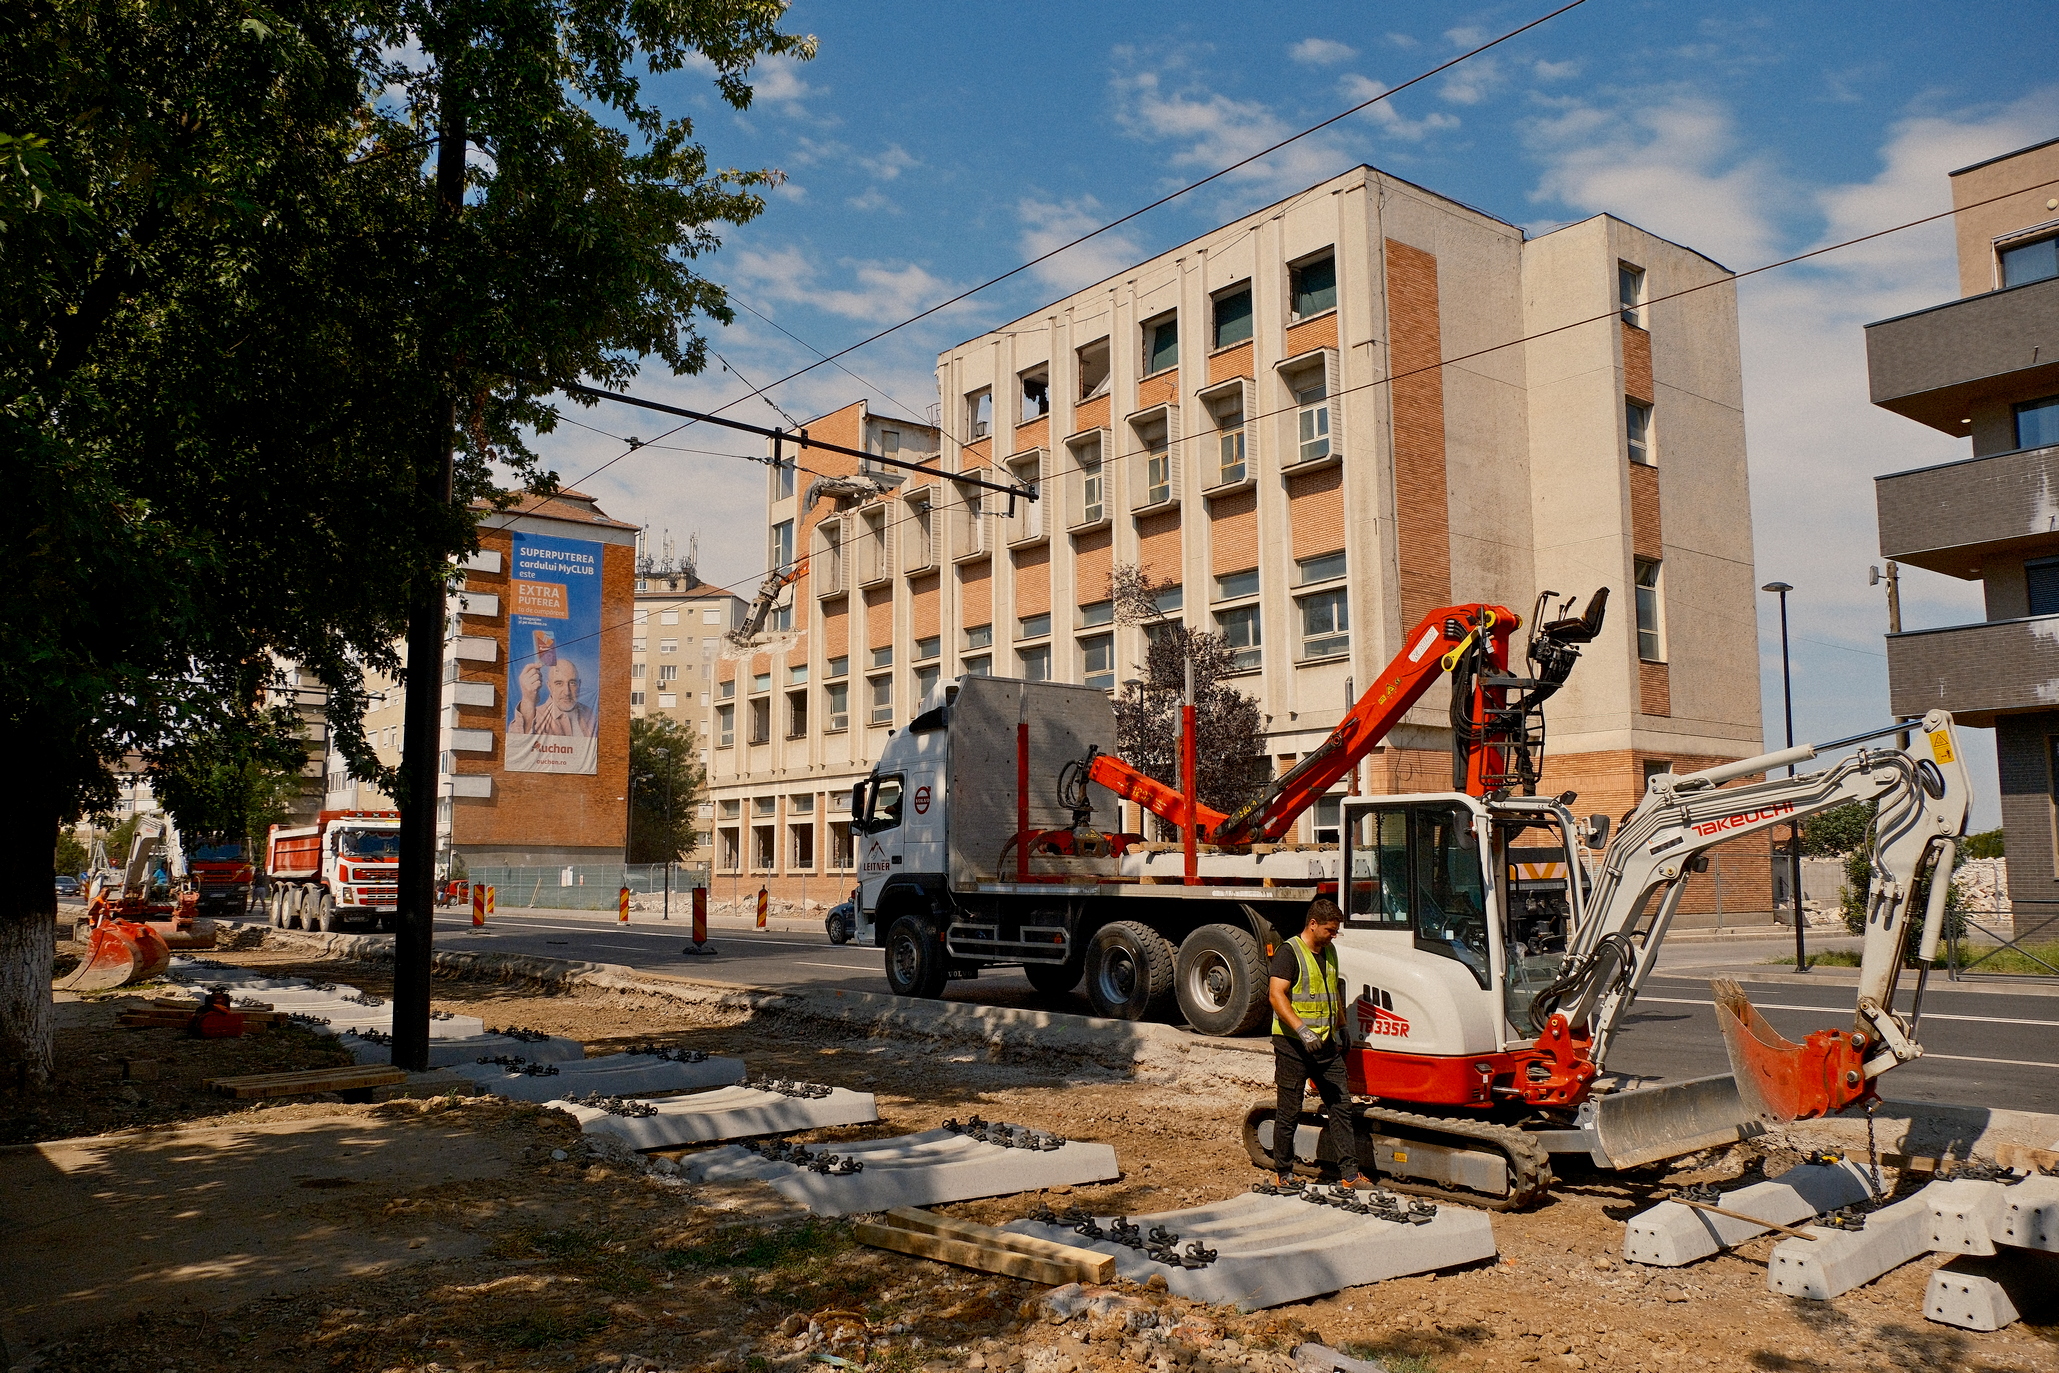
[1129, 971]
[1220, 979]
[294, 906]
[914, 959]
[321, 915]
[1053, 979]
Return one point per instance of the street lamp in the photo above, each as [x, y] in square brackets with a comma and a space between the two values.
[1794, 848]
[665, 755]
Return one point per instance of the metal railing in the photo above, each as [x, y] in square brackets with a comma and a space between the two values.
[1996, 937]
[582, 886]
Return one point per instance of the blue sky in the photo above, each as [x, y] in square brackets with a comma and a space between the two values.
[928, 148]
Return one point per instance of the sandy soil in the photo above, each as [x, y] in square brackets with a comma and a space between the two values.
[598, 1262]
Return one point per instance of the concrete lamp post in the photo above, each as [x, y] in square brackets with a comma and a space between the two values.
[1794, 847]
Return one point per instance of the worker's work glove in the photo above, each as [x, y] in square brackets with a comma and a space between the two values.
[1310, 1040]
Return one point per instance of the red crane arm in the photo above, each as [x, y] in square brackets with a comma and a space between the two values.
[1424, 657]
[1156, 797]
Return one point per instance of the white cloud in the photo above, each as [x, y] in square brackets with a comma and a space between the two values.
[1473, 81]
[1321, 52]
[880, 293]
[778, 81]
[1555, 71]
[1216, 131]
[891, 163]
[1466, 36]
[1387, 116]
[1404, 42]
[872, 199]
[1048, 224]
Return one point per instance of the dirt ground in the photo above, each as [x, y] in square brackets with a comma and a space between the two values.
[597, 1263]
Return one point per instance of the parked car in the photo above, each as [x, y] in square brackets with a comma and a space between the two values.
[68, 886]
[841, 922]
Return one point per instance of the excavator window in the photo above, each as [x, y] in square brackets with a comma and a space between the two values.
[1379, 866]
[1448, 896]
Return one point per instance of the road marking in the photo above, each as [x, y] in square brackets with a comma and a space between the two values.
[520, 926]
[1962, 1058]
[1833, 1010]
[840, 967]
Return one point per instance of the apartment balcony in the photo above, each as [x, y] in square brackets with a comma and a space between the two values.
[1976, 671]
[1933, 365]
[1953, 517]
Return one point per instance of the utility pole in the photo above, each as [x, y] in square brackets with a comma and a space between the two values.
[1894, 618]
[1794, 851]
[414, 929]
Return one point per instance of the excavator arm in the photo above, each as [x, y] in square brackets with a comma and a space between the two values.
[1923, 795]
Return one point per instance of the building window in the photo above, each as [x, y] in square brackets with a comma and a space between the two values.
[1233, 317]
[873, 548]
[782, 549]
[979, 636]
[831, 571]
[796, 714]
[667, 672]
[637, 645]
[732, 808]
[1228, 413]
[1161, 345]
[2023, 263]
[763, 805]
[1093, 492]
[668, 617]
[761, 681]
[636, 672]
[1315, 286]
[982, 666]
[1092, 362]
[1230, 586]
[667, 700]
[732, 851]
[1036, 394]
[1630, 293]
[802, 846]
[1312, 420]
[1325, 624]
[762, 853]
[1637, 429]
[761, 720]
[928, 648]
[883, 700]
[1029, 514]
[636, 698]
[1099, 613]
[840, 844]
[1239, 627]
[922, 529]
[729, 689]
[668, 645]
[1328, 567]
[836, 706]
[837, 667]
[887, 443]
[1651, 644]
[797, 675]
[926, 679]
[783, 479]
[2037, 423]
[1157, 463]
[883, 657]
[979, 412]
[1097, 661]
[1033, 626]
[725, 726]
[1036, 663]
[2041, 581]
[1329, 812]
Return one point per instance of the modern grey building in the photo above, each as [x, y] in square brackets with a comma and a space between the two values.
[1986, 367]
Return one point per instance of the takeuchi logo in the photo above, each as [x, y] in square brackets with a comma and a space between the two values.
[1731, 822]
[1378, 1020]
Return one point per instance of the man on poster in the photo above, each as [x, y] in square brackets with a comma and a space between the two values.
[554, 629]
[555, 711]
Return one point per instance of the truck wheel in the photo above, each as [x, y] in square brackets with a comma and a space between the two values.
[277, 901]
[294, 906]
[1129, 971]
[915, 959]
[1220, 980]
[321, 915]
[1053, 979]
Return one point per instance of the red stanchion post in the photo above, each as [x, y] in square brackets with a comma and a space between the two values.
[491, 892]
[478, 905]
[1188, 840]
[622, 905]
[764, 900]
[700, 915]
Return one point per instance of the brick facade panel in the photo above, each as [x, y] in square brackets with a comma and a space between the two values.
[976, 592]
[1315, 511]
[1035, 434]
[1637, 364]
[1033, 580]
[1158, 546]
[1231, 362]
[1091, 414]
[1422, 500]
[1654, 689]
[879, 617]
[1647, 537]
[1233, 533]
[836, 628]
[1163, 389]
[1093, 558]
[1312, 334]
[924, 610]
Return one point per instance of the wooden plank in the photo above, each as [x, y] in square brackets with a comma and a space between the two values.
[343, 1079]
[985, 1258]
[972, 1232]
[178, 1003]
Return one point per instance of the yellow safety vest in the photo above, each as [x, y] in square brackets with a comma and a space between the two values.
[1317, 996]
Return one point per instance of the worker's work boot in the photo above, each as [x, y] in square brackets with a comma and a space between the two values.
[1286, 1182]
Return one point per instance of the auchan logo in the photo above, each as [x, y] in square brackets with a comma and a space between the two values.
[1731, 822]
[1378, 1020]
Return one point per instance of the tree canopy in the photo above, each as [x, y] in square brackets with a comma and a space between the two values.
[234, 315]
[666, 780]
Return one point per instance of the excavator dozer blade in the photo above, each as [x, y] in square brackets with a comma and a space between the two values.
[112, 960]
[1646, 1124]
[1779, 1080]
[200, 934]
[153, 952]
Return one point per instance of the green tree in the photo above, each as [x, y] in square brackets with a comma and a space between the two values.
[667, 783]
[231, 780]
[1858, 886]
[72, 856]
[1986, 844]
[1229, 751]
[1838, 831]
[242, 332]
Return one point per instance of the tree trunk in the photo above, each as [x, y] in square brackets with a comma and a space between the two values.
[28, 922]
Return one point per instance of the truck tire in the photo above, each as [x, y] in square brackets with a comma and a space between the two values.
[294, 906]
[1220, 980]
[914, 959]
[277, 901]
[1129, 971]
[321, 914]
[1053, 979]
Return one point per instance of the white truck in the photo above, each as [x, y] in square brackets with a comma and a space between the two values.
[343, 869]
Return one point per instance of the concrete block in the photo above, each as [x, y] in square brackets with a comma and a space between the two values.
[725, 1113]
[927, 1169]
[1836, 1261]
[449, 1053]
[1271, 1250]
[2030, 1215]
[1964, 1214]
[1670, 1235]
[625, 1075]
[1987, 1292]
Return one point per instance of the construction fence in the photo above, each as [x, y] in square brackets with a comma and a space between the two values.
[2017, 940]
[583, 886]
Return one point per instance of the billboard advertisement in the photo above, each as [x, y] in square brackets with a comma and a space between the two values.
[554, 655]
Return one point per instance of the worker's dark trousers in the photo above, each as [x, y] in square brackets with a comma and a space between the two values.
[1294, 1066]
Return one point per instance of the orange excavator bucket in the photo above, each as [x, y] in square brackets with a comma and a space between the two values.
[1779, 1080]
[118, 953]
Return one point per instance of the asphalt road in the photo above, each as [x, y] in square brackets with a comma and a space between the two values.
[1984, 1045]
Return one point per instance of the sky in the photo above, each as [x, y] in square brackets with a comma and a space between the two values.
[929, 148]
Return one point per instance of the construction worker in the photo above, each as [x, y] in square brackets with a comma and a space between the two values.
[1307, 996]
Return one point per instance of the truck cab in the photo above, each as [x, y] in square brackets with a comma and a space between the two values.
[898, 816]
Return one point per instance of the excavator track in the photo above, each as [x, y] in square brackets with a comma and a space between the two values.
[1528, 1165]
